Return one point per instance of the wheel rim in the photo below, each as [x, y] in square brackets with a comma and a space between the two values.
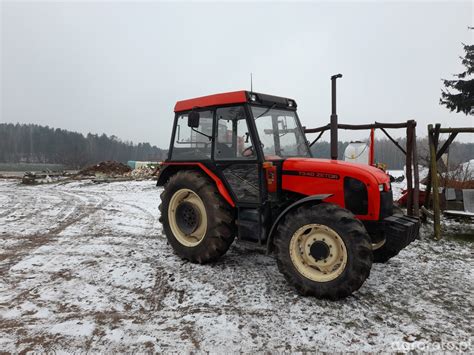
[187, 217]
[378, 245]
[318, 252]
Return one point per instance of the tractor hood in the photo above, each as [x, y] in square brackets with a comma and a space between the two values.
[341, 182]
[333, 169]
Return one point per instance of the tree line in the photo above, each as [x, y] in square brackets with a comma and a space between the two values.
[31, 143]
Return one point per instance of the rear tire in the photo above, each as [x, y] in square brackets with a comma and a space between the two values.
[323, 251]
[198, 223]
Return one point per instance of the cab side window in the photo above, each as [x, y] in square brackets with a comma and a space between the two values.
[233, 136]
[193, 144]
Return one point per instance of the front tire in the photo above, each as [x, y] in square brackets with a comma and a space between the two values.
[198, 223]
[323, 251]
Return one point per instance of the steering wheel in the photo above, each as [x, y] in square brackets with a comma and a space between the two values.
[250, 149]
[248, 152]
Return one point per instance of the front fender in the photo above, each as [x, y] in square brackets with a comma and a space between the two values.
[168, 169]
[309, 199]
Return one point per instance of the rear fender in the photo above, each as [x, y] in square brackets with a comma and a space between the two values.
[306, 200]
[169, 169]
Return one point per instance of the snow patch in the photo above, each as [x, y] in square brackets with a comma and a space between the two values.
[77, 327]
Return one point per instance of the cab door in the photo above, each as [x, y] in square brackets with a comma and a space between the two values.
[236, 157]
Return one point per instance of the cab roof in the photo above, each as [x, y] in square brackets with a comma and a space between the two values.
[234, 97]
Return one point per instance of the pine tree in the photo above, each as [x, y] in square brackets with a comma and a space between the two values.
[463, 100]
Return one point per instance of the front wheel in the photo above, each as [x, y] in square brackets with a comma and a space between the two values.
[323, 251]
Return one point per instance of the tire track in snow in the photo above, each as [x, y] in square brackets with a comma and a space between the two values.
[67, 216]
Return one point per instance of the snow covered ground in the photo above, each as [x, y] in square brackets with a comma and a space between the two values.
[86, 267]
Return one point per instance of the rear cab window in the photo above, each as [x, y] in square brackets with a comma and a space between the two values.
[193, 144]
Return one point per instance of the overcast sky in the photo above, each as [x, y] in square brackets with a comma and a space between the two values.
[119, 68]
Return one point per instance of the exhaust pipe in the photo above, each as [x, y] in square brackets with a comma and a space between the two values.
[334, 117]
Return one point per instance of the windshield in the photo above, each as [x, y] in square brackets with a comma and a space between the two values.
[279, 132]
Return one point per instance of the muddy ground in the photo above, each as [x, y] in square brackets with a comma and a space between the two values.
[86, 267]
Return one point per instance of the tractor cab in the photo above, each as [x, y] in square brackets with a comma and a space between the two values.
[242, 137]
[228, 131]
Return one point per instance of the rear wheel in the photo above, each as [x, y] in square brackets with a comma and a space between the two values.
[197, 222]
[323, 251]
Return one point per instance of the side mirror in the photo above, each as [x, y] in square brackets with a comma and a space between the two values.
[193, 119]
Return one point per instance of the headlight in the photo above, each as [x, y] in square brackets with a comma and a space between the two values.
[381, 187]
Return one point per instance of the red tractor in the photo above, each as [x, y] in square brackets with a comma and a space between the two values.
[239, 165]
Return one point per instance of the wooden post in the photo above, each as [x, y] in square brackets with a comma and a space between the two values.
[416, 175]
[428, 182]
[428, 185]
[434, 182]
[408, 167]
